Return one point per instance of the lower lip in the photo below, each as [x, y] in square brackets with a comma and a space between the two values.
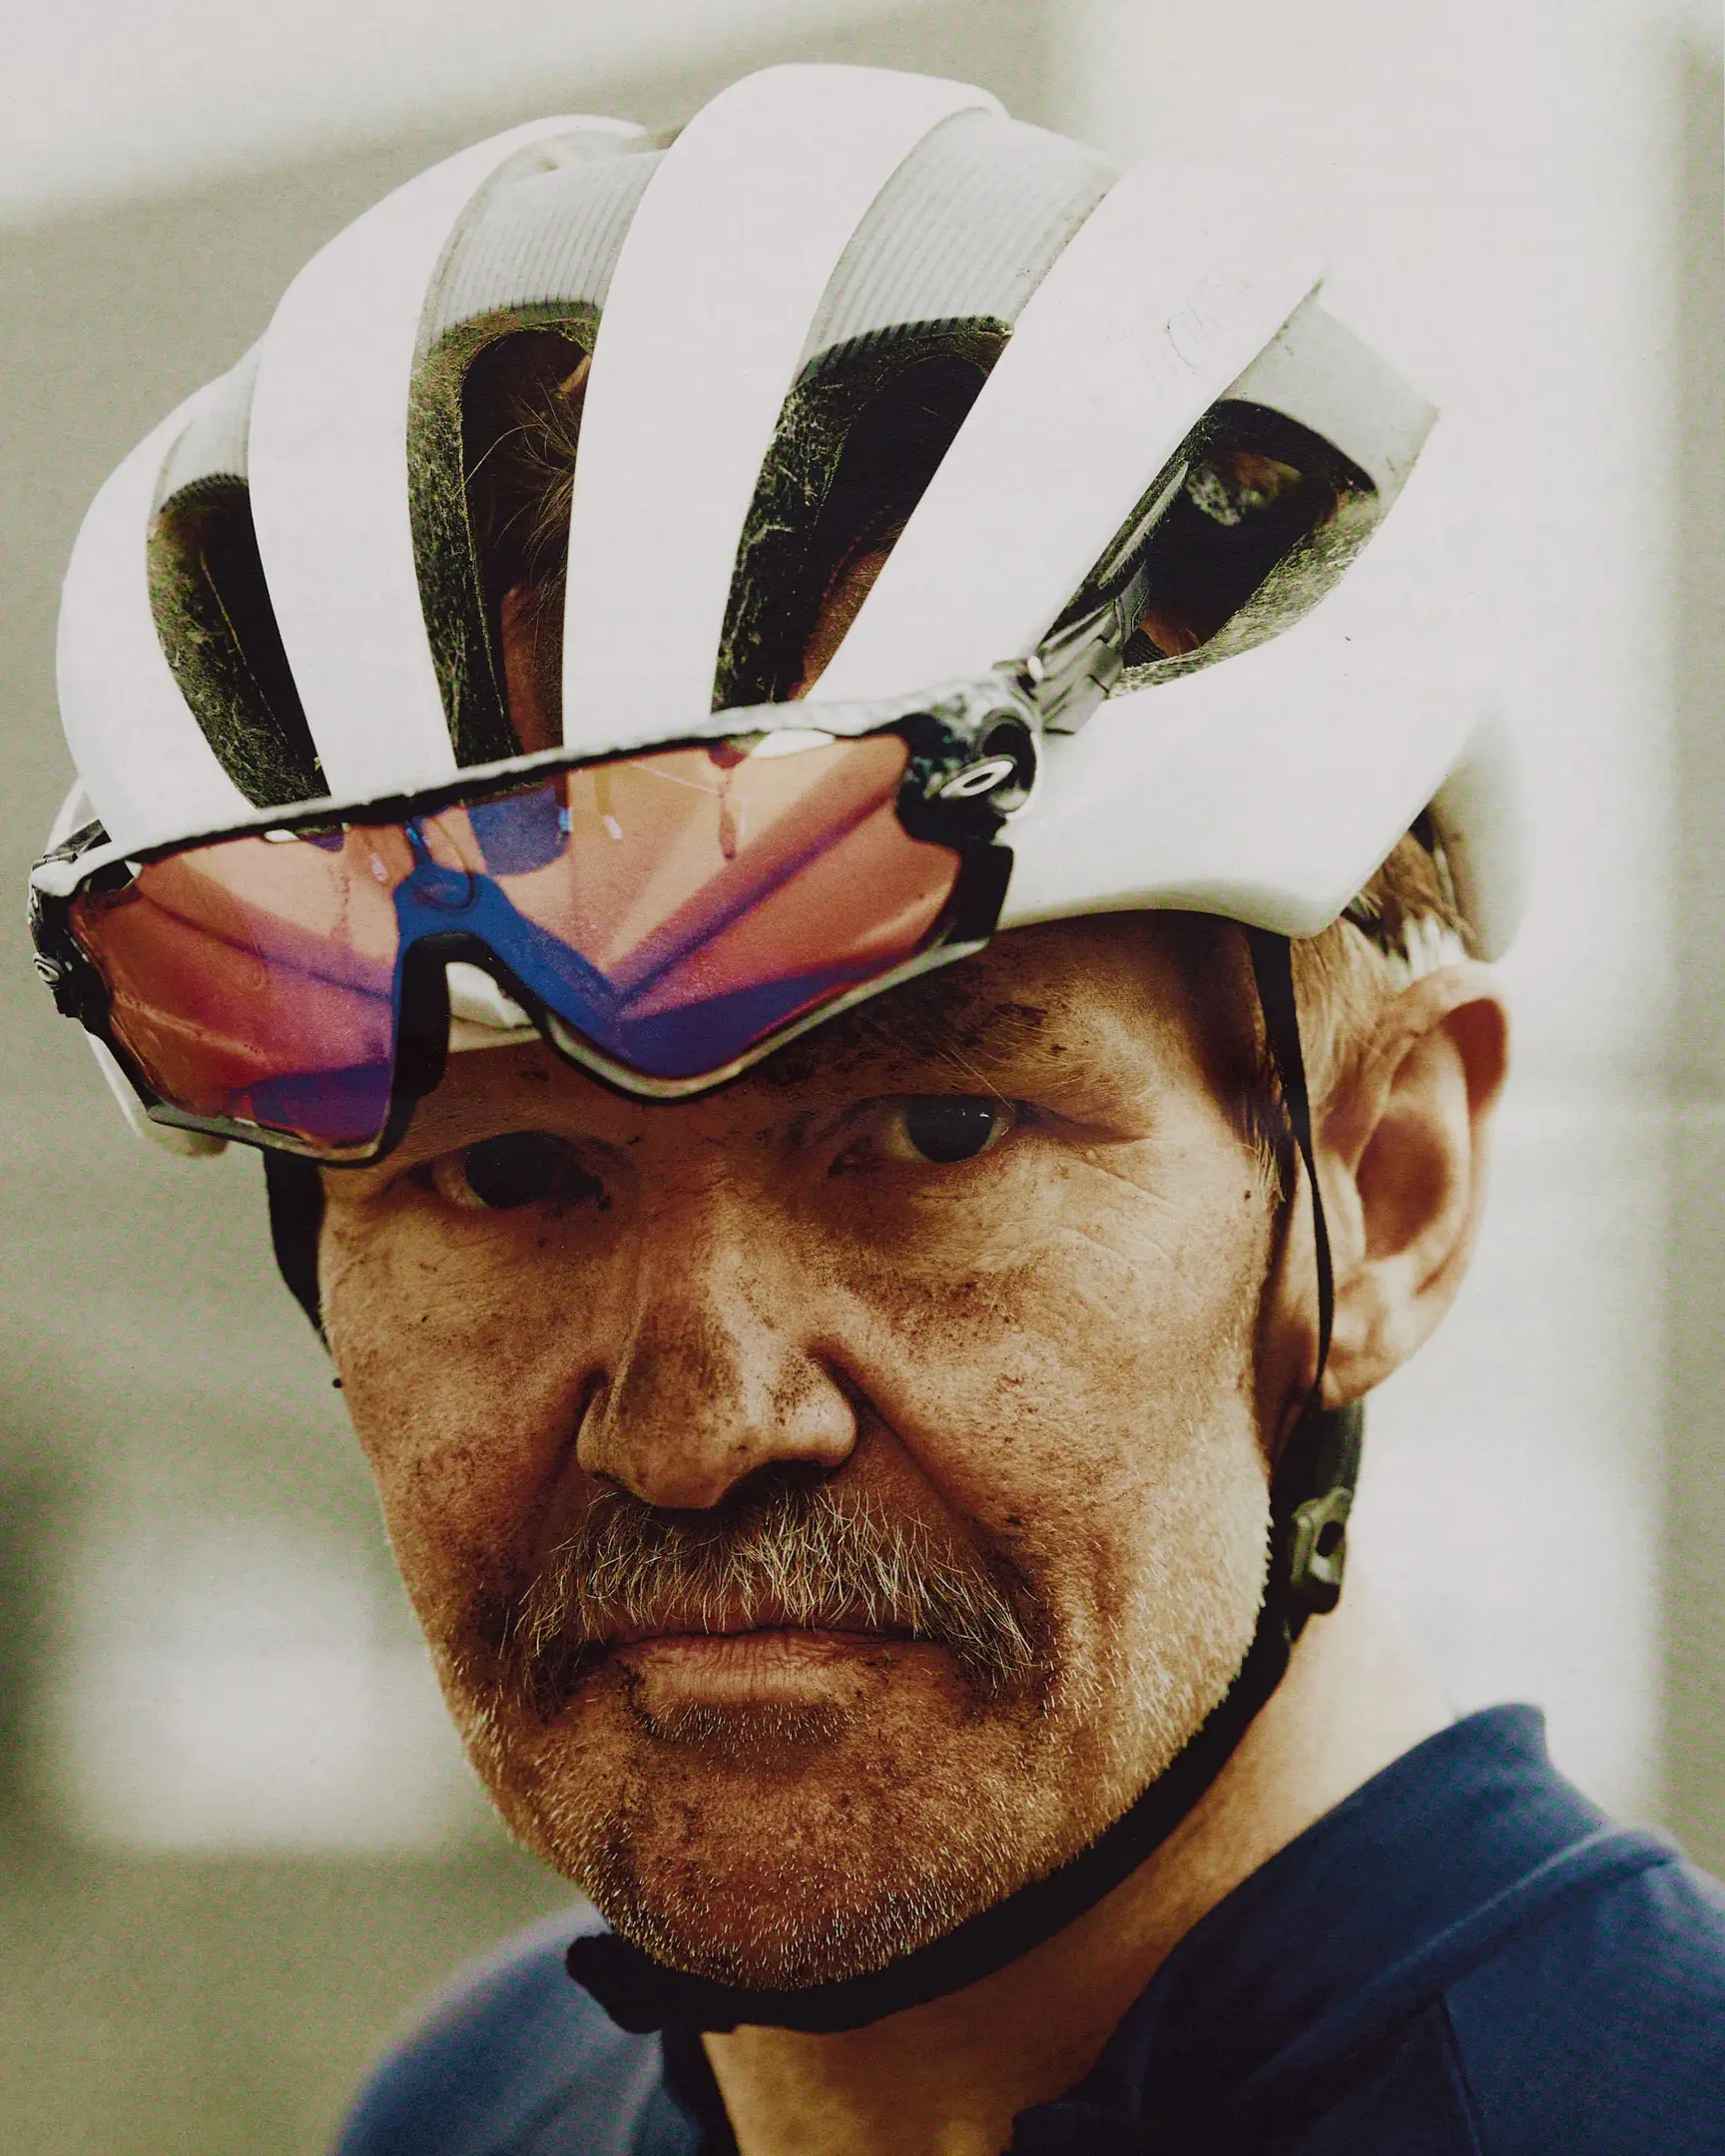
[746, 1666]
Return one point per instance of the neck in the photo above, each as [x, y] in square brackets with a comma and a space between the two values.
[948, 2078]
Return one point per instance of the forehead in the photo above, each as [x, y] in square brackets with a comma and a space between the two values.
[1090, 1012]
[1058, 989]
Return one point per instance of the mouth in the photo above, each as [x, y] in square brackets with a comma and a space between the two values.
[765, 1662]
[720, 1625]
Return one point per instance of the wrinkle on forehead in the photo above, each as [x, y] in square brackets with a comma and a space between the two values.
[1086, 995]
[946, 1020]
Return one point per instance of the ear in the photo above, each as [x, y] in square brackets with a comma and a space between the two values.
[1402, 1156]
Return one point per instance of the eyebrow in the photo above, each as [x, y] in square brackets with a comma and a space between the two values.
[951, 1021]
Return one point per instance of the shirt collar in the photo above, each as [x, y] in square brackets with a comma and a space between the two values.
[1459, 1818]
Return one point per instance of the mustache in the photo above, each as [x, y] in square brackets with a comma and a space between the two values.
[795, 1554]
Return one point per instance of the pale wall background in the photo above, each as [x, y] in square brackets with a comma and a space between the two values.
[235, 1840]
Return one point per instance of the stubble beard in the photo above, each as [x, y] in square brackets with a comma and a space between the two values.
[778, 1847]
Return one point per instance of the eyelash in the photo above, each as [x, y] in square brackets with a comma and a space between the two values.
[537, 1158]
[531, 1168]
[866, 1149]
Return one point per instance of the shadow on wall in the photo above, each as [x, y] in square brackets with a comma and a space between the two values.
[1694, 1571]
[35, 1508]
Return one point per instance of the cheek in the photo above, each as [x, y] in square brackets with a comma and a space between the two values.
[1088, 1398]
[461, 1373]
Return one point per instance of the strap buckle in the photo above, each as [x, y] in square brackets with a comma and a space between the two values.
[1317, 1556]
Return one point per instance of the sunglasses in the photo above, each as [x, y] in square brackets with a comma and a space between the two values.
[664, 918]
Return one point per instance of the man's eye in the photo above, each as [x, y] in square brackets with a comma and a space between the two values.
[943, 1127]
[521, 1169]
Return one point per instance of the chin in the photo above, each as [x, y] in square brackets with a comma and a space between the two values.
[777, 1835]
[777, 1846]
[793, 1884]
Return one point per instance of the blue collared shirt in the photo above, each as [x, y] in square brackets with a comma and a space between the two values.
[1464, 1958]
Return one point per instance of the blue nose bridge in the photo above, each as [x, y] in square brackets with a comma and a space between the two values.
[444, 890]
[681, 1041]
[434, 899]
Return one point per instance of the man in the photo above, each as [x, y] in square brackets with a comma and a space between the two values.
[824, 795]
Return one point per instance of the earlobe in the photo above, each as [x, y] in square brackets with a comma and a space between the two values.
[1404, 1160]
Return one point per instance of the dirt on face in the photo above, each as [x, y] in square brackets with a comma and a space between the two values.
[831, 1500]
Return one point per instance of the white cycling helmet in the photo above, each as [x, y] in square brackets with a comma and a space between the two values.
[1137, 422]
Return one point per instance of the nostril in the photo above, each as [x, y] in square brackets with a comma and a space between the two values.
[776, 1478]
[708, 1388]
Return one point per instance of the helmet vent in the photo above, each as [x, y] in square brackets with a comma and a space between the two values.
[859, 440]
[1240, 533]
[507, 417]
[1265, 520]
[211, 609]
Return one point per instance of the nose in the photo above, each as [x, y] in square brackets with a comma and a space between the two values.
[717, 1376]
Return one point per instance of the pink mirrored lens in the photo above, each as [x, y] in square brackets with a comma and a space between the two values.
[717, 897]
[254, 980]
[674, 908]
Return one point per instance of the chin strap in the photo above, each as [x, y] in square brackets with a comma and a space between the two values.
[1310, 1500]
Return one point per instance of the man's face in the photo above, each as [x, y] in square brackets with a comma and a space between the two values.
[828, 1502]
